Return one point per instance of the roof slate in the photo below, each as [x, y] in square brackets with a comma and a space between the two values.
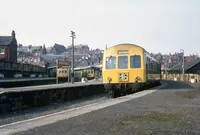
[187, 65]
[5, 40]
[59, 48]
[51, 57]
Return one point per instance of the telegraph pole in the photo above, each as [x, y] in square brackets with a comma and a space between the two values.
[161, 58]
[183, 64]
[72, 64]
[57, 71]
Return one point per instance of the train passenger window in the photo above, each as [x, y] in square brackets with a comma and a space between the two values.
[135, 61]
[111, 62]
[122, 62]
[151, 65]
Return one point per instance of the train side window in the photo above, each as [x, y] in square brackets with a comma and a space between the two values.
[149, 64]
[111, 62]
[122, 62]
[153, 63]
[135, 61]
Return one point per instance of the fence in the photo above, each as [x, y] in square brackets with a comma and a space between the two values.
[180, 77]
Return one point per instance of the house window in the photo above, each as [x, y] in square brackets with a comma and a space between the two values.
[2, 50]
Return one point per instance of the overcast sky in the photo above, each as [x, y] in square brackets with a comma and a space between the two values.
[157, 25]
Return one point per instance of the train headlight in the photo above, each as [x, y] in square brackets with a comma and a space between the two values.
[125, 76]
[137, 79]
[120, 77]
[109, 79]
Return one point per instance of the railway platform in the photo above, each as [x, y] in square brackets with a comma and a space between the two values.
[172, 109]
[49, 86]
[21, 82]
[12, 99]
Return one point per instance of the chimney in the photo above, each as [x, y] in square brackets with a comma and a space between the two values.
[13, 33]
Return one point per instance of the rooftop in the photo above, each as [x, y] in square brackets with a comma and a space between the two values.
[187, 65]
[5, 40]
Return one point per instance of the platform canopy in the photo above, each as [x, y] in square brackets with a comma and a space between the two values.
[189, 67]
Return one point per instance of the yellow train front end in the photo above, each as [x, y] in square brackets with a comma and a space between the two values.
[90, 74]
[123, 69]
[62, 74]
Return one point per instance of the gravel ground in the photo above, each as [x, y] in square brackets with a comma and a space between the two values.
[174, 109]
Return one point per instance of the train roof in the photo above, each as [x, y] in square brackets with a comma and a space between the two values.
[88, 67]
[150, 56]
[128, 44]
[145, 51]
[81, 68]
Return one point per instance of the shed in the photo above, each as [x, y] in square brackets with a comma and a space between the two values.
[191, 67]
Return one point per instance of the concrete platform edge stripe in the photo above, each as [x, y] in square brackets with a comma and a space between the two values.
[86, 109]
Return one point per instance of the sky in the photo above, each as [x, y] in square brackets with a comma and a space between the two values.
[164, 26]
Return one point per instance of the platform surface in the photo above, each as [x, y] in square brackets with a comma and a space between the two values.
[51, 86]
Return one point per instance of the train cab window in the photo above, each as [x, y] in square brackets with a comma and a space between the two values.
[111, 62]
[122, 62]
[135, 61]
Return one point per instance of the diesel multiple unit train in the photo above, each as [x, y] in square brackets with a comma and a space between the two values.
[63, 73]
[128, 67]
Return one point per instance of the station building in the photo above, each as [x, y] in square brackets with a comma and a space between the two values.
[191, 67]
[8, 48]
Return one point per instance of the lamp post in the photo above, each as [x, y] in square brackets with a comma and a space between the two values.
[161, 58]
[72, 63]
[183, 63]
[57, 71]
[57, 65]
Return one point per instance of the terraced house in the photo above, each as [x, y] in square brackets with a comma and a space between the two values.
[8, 48]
